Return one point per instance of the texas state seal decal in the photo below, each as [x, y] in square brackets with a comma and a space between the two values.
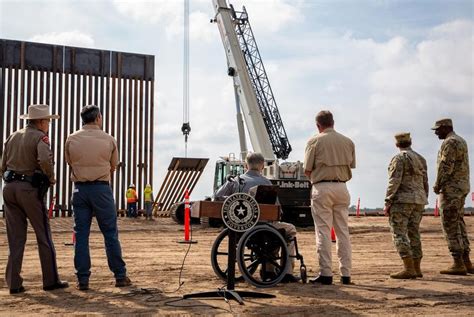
[240, 212]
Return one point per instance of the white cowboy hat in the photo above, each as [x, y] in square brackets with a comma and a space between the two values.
[38, 112]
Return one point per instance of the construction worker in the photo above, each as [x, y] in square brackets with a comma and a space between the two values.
[132, 199]
[28, 170]
[452, 186]
[405, 200]
[148, 198]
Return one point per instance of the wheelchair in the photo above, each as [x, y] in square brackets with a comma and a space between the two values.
[261, 254]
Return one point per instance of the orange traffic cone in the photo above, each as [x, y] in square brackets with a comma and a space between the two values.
[333, 235]
[187, 219]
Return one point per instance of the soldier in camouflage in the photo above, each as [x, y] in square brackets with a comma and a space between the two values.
[452, 186]
[405, 199]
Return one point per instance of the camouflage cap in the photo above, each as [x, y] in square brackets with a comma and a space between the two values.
[442, 123]
[403, 137]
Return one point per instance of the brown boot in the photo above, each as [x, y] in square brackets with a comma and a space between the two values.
[408, 272]
[458, 267]
[417, 263]
[468, 263]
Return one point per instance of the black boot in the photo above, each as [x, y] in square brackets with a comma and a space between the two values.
[325, 280]
[57, 285]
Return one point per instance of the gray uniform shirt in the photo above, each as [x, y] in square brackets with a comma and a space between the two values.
[241, 184]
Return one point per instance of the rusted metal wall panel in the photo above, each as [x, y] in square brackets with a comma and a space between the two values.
[183, 173]
[68, 78]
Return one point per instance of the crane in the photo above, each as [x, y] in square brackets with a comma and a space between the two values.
[256, 104]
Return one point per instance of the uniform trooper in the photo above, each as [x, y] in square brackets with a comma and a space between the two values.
[27, 164]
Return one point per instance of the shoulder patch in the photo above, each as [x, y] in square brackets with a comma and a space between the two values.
[45, 139]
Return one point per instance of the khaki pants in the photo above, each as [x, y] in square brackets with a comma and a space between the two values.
[329, 207]
[290, 231]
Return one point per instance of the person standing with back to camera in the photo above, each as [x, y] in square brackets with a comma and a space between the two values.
[28, 171]
[405, 200]
[92, 155]
[329, 158]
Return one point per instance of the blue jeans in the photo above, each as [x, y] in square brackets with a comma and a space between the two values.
[148, 205]
[132, 210]
[97, 200]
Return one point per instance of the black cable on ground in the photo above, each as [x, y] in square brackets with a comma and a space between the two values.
[154, 291]
[182, 263]
[170, 303]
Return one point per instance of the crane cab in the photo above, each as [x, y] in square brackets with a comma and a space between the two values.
[227, 167]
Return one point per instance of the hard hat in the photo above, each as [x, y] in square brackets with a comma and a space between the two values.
[132, 186]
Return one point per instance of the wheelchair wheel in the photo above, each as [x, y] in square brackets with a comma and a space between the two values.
[219, 255]
[263, 256]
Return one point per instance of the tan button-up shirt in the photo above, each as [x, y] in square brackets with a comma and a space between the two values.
[26, 151]
[91, 153]
[329, 156]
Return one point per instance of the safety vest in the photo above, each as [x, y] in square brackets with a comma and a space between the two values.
[131, 195]
[148, 193]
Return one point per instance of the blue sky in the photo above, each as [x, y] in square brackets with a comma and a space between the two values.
[381, 67]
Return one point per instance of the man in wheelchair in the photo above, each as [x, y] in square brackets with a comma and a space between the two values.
[247, 183]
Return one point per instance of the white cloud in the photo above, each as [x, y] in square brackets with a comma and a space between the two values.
[271, 15]
[72, 38]
[200, 27]
[169, 14]
[266, 16]
[150, 11]
[433, 78]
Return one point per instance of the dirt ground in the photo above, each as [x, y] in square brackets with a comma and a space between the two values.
[154, 260]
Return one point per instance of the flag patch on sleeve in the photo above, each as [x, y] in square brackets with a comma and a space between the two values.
[45, 139]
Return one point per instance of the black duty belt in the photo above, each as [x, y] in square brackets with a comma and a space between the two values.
[92, 183]
[11, 176]
[330, 181]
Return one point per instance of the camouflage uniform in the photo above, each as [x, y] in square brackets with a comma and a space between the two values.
[452, 184]
[407, 194]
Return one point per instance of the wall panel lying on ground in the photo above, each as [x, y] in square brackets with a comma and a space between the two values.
[67, 79]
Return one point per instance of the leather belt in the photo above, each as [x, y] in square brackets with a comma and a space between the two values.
[330, 181]
[92, 183]
[14, 176]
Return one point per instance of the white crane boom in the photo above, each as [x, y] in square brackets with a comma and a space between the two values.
[237, 68]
